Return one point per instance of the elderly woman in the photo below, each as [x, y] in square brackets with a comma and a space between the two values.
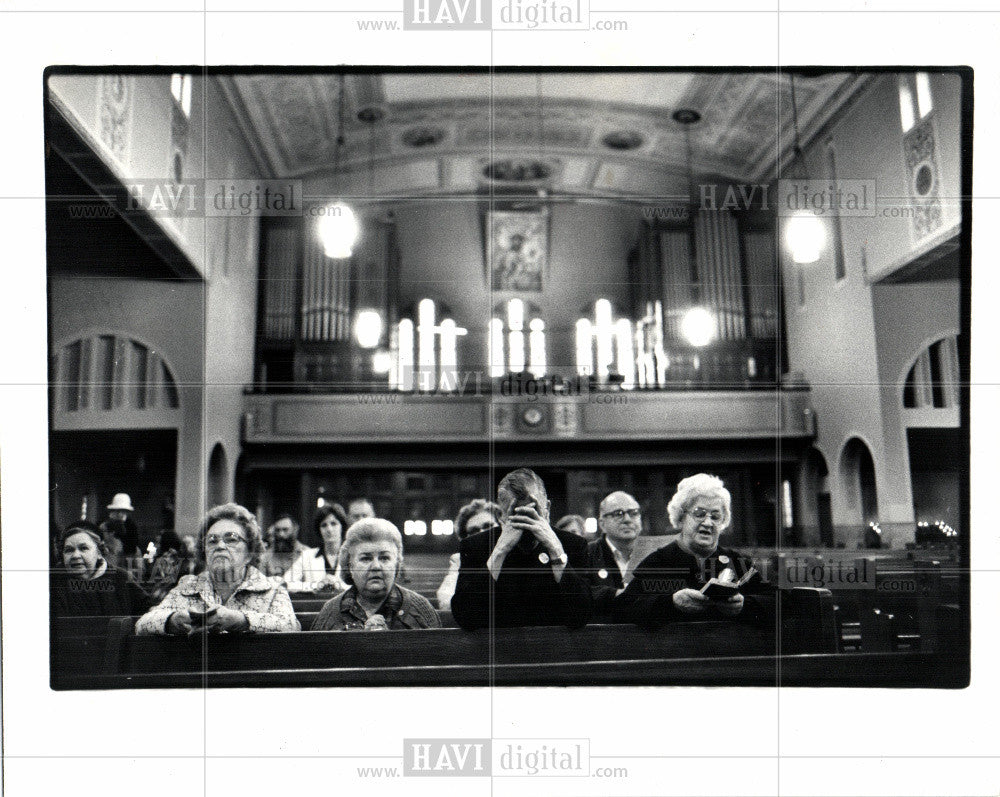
[87, 584]
[473, 518]
[370, 559]
[232, 595]
[318, 569]
[667, 583]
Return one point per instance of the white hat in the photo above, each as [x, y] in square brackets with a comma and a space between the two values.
[121, 501]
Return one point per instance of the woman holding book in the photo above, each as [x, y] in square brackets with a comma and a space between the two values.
[691, 578]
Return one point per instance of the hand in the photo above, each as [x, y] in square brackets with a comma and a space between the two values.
[376, 623]
[509, 537]
[691, 601]
[529, 521]
[179, 623]
[223, 619]
[730, 607]
[330, 581]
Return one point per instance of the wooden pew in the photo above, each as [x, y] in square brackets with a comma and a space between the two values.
[901, 612]
[898, 608]
[893, 670]
[78, 643]
[461, 657]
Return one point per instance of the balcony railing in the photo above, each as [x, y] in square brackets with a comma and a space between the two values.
[341, 368]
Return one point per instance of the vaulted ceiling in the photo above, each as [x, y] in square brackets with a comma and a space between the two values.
[603, 133]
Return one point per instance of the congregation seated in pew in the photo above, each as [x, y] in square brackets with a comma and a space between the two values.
[88, 584]
[666, 585]
[318, 569]
[525, 573]
[620, 523]
[371, 559]
[475, 517]
[231, 595]
[173, 560]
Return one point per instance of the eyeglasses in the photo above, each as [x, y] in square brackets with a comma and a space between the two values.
[229, 538]
[484, 527]
[621, 514]
[701, 514]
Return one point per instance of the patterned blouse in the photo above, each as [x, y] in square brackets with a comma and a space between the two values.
[266, 605]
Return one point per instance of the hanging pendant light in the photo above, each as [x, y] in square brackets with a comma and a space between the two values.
[338, 226]
[698, 323]
[805, 233]
[338, 230]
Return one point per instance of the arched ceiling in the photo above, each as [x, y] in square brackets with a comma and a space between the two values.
[596, 133]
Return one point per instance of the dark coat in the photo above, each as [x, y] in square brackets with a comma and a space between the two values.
[126, 531]
[403, 609]
[604, 576]
[648, 601]
[526, 592]
[112, 594]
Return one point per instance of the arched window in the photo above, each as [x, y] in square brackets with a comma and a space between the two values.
[932, 382]
[110, 373]
[218, 476]
[857, 472]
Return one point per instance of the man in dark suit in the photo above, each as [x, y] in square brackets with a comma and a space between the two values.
[608, 556]
[522, 572]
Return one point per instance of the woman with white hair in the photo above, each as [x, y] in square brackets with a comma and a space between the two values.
[370, 560]
[667, 584]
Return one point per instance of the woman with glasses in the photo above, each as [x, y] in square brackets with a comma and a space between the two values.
[667, 584]
[475, 517]
[231, 595]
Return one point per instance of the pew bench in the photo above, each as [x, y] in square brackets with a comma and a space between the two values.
[450, 655]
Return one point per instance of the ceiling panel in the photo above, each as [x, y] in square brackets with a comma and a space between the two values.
[588, 120]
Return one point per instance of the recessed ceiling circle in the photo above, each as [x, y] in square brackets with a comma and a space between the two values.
[686, 116]
[622, 139]
[371, 114]
[423, 136]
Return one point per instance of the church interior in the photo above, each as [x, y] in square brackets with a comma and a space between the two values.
[289, 288]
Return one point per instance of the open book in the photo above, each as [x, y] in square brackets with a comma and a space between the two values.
[725, 585]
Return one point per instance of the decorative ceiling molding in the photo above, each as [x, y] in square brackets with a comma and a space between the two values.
[291, 121]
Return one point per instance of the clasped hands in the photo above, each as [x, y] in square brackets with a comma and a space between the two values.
[222, 619]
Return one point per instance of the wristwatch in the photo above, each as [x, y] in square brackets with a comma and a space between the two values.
[562, 559]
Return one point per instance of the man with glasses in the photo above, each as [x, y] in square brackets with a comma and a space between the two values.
[666, 585]
[620, 522]
[522, 572]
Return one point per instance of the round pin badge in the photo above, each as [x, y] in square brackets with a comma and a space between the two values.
[723, 560]
[602, 573]
[543, 558]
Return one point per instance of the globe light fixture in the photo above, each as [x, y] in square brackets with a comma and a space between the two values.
[698, 326]
[368, 329]
[805, 236]
[338, 230]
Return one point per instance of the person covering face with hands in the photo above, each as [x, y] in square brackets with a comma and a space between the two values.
[528, 572]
